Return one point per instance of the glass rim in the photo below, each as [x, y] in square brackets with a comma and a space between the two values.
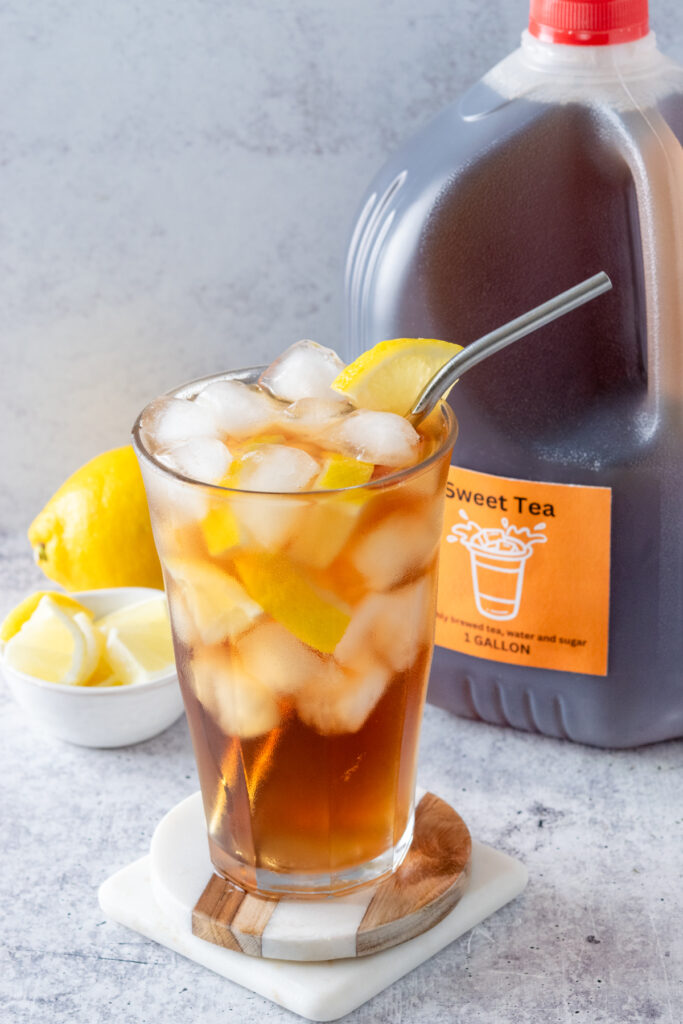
[191, 388]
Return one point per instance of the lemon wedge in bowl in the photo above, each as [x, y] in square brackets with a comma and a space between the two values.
[100, 711]
[391, 376]
[55, 643]
[22, 612]
[138, 642]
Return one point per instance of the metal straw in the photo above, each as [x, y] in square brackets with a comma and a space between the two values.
[496, 340]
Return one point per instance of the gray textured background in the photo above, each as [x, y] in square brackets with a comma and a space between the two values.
[178, 182]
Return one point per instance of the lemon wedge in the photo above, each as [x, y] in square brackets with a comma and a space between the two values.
[343, 471]
[285, 593]
[392, 375]
[15, 619]
[220, 526]
[55, 644]
[216, 602]
[221, 529]
[138, 642]
[328, 522]
[104, 674]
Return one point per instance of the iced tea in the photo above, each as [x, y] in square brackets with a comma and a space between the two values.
[299, 539]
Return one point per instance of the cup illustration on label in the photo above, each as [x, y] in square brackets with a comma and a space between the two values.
[498, 556]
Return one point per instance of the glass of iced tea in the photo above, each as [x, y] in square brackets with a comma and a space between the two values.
[299, 539]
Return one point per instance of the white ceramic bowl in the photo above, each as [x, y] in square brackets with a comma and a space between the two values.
[107, 716]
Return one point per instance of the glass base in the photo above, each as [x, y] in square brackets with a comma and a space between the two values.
[280, 884]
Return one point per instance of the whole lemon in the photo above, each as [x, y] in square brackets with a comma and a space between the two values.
[95, 530]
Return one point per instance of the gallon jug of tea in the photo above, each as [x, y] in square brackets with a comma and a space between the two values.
[561, 589]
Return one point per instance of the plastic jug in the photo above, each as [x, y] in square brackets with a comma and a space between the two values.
[561, 595]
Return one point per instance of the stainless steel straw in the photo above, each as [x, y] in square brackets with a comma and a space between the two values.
[496, 340]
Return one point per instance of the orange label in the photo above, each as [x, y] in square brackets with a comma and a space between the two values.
[524, 572]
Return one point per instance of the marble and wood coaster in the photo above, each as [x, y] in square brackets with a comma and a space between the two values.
[427, 885]
[156, 895]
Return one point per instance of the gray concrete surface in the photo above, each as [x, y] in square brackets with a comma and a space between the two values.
[597, 937]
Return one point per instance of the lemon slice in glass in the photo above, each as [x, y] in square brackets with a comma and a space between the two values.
[343, 471]
[138, 642]
[221, 529]
[55, 643]
[391, 376]
[285, 593]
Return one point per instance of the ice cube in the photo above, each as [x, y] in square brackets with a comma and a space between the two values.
[323, 531]
[240, 409]
[314, 415]
[218, 604]
[183, 624]
[380, 437]
[168, 422]
[270, 653]
[393, 626]
[339, 701]
[304, 370]
[401, 544]
[277, 468]
[269, 520]
[239, 704]
[174, 502]
[426, 484]
[205, 459]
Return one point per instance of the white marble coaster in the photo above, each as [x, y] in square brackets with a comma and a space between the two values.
[426, 887]
[139, 897]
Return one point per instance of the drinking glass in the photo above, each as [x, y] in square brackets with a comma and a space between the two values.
[303, 626]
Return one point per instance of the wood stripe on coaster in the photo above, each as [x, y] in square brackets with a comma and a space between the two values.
[214, 911]
[424, 889]
[426, 886]
[249, 923]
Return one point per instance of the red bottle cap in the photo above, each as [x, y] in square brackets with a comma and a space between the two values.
[588, 22]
